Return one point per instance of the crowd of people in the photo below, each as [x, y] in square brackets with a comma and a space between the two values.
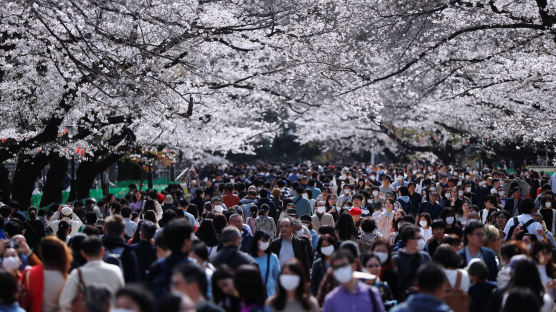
[292, 237]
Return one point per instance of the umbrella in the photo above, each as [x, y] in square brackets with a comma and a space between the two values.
[522, 184]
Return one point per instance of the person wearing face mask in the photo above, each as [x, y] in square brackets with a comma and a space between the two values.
[409, 258]
[425, 225]
[449, 217]
[321, 217]
[325, 248]
[371, 264]
[473, 239]
[269, 265]
[352, 295]
[292, 294]
[345, 196]
[388, 272]
[548, 213]
[11, 262]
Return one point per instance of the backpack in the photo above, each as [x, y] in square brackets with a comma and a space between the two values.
[524, 228]
[457, 299]
[114, 256]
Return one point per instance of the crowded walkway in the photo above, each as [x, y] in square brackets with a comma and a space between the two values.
[292, 237]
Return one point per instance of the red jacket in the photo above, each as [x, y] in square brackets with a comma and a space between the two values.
[33, 282]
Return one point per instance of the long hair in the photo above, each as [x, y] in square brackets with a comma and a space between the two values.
[345, 227]
[259, 235]
[331, 240]
[62, 232]
[526, 275]
[538, 247]
[249, 284]
[55, 253]
[278, 301]
[389, 265]
[207, 233]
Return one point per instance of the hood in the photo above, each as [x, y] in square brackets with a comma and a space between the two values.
[427, 303]
[405, 199]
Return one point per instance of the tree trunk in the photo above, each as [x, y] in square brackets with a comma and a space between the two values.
[86, 173]
[54, 181]
[27, 170]
[4, 184]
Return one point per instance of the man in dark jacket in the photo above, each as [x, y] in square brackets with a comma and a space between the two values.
[144, 249]
[230, 253]
[117, 251]
[431, 206]
[287, 246]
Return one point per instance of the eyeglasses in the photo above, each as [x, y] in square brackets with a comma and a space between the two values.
[372, 266]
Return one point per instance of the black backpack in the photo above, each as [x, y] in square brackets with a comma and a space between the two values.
[524, 228]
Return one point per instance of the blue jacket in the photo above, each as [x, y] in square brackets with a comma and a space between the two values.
[302, 205]
[488, 257]
[422, 303]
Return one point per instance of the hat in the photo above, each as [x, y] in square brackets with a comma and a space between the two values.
[305, 219]
[478, 268]
[169, 199]
[291, 212]
[67, 211]
[355, 211]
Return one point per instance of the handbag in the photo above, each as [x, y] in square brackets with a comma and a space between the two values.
[79, 303]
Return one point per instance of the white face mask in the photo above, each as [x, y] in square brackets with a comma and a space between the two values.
[423, 223]
[343, 274]
[467, 177]
[263, 245]
[420, 245]
[548, 204]
[289, 281]
[373, 177]
[327, 251]
[502, 193]
[468, 189]
[321, 209]
[305, 196]
[450, 220]
[375, 193]
[369, 201]
[10, 263]
[219, 208]
[346, 191]
[448, 195]
[493, 190]
[460, 193]
[382, 256]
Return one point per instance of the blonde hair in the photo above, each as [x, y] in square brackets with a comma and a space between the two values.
[492, 234]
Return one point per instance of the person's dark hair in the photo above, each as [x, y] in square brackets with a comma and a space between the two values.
[446, 257]
[430, 277]
[126, 212]
[13, 227]
[170, 303]
[114, 225]
[341, 254]
[150, 216]
[222, 272]
[219, 222]
[345, 227]
[368, 225]
[176, 233]
[408, 232]
[91, 246]
[207, 233]
[192, 209]
[538, 247]
[90, 217]
[167, 216]
[200, 249]
[470, 228]
[259, 235]
[425, 215]
[91, 230]
[512, 248]
[404, 191]
[278, 302]
[522, 299]
[526, 206]
[193, 273]
[117, 207]
[62, 232]
[249, 284]
[8, 284]
[526, 275]
[138, 294]
[148, 229]
[438, 223]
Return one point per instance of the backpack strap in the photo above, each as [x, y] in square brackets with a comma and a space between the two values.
[528, 223]
[458, 280]
[81, 283]
[267, 269]
[373, 299]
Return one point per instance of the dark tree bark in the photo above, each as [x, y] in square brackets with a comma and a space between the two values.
[86, 173]
[54, 180]
[4, 184]
[27, 170]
